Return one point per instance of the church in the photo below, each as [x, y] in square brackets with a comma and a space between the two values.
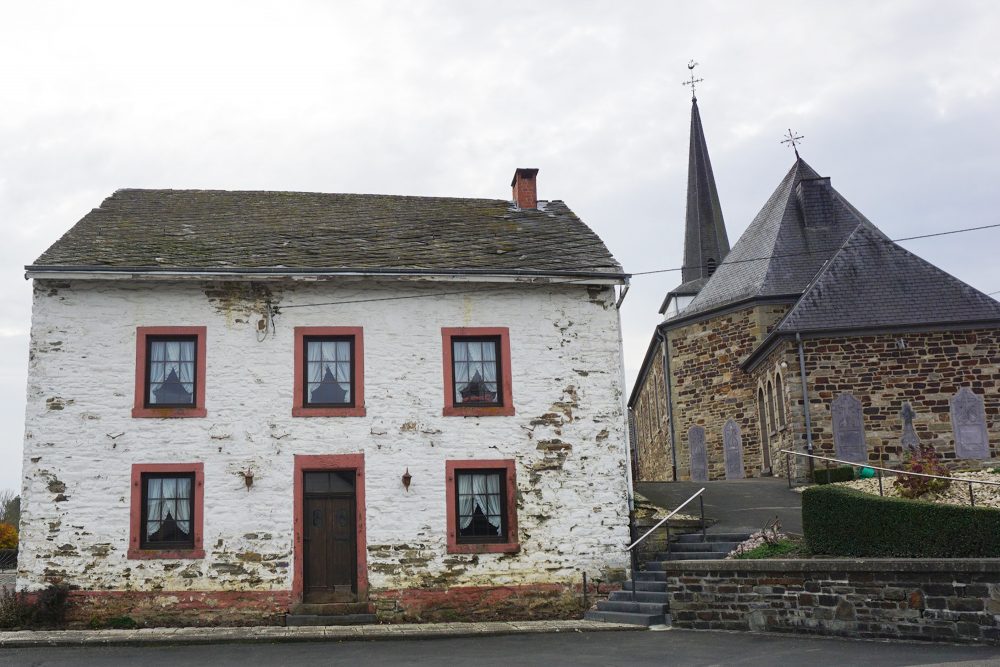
[813, 333]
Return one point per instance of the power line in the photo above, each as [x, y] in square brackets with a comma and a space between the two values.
[637, 273]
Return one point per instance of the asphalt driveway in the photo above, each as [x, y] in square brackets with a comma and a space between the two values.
[738, 505]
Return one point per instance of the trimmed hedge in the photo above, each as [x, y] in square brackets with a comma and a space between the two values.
[844, 522]
[840, 474]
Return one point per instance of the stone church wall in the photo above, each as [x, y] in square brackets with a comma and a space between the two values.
[653, 424]
[884, 371]
[709, 387]
[567, 439]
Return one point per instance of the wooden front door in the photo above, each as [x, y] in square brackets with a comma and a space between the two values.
[330, 537]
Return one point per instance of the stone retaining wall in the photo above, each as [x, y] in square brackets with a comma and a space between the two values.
[926, 599]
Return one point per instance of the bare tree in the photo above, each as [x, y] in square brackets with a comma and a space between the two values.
[10, 508]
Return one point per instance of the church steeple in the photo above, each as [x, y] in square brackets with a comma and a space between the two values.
[705, 241]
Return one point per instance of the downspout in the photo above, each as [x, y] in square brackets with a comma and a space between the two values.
[670, 403]
[805, 401]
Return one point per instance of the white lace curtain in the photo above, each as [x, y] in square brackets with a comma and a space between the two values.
[333, 357]
[482, 491]
[168, 496]
[167, 356]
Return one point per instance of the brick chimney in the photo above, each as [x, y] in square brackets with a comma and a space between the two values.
[525, 192]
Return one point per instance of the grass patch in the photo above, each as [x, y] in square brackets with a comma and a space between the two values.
[784, 548]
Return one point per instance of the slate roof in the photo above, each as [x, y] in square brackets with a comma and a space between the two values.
[189, 230]
[704, 228]
[803, 223]
[873, 283]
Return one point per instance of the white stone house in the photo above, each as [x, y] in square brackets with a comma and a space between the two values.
[239, 402]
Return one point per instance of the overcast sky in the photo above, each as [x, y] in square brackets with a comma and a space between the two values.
[899, 103]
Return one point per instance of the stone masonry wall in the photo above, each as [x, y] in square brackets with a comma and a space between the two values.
[923, 599]
[926, 371]
[653, 424]
[789, 433]
[709, 387]
[567, 436]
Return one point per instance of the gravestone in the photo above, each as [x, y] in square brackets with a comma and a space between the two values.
[732, 446]
[910, 439]
[968, 420]
[849, 430]
[699, 457]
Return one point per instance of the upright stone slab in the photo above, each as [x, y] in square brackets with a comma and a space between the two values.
[968, 419]
[849, 429]
[699, 457]
[732, 446]
[910, 439]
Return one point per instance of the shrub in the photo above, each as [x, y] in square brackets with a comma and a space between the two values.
[844, 522]
[15, 612]
[831, 475]
[8, 536]
[924, 460]
[50, 605]
[783, 548]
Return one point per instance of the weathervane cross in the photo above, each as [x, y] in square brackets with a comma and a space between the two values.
[693, 81]
[793, 140]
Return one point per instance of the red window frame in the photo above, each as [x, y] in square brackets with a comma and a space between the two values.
[135, 551]
[299, 407]
[506, 408]
[508, 466]
[139, 408]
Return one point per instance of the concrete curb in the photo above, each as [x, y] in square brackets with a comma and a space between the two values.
[271, 634]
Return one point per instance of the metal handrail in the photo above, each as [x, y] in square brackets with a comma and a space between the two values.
[632, 556]
[893, 470]
[664, 519]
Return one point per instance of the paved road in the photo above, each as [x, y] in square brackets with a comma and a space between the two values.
[673, 647]
[741, 504]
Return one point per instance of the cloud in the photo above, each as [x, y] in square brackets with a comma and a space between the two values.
[898, 102]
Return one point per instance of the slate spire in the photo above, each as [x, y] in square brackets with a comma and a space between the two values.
[705, 240]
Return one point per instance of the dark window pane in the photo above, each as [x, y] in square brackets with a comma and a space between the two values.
[168, 510]
[480, 506]
[475, 372]
[337, 481]
[329, 378]
[171, 372]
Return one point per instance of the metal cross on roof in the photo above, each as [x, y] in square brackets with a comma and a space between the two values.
[693, 81]
[793, 140]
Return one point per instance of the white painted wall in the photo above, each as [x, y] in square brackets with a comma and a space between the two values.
[572, 513]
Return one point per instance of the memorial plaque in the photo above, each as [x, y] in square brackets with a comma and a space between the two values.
[699, 457]
[968, 419]
[732, 445]
[849, 430]
[910, 439]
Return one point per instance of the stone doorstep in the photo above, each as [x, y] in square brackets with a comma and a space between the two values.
[269, 634]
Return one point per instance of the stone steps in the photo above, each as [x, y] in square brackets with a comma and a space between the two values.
[340, 619]
[624, 617]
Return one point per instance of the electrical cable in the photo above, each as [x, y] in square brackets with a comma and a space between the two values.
[278, 309]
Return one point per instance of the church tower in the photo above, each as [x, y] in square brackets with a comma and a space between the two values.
[705, 240]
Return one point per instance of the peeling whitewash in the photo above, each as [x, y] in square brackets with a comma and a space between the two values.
[81, 441]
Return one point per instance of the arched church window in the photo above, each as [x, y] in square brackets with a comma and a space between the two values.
[762, 419]
[780, 398]
[770, 404]
[710, 266]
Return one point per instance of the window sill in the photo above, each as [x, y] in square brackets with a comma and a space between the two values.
[328, 412]
[176, 554]
[488, 548]
[483, 411]
[168, 413]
